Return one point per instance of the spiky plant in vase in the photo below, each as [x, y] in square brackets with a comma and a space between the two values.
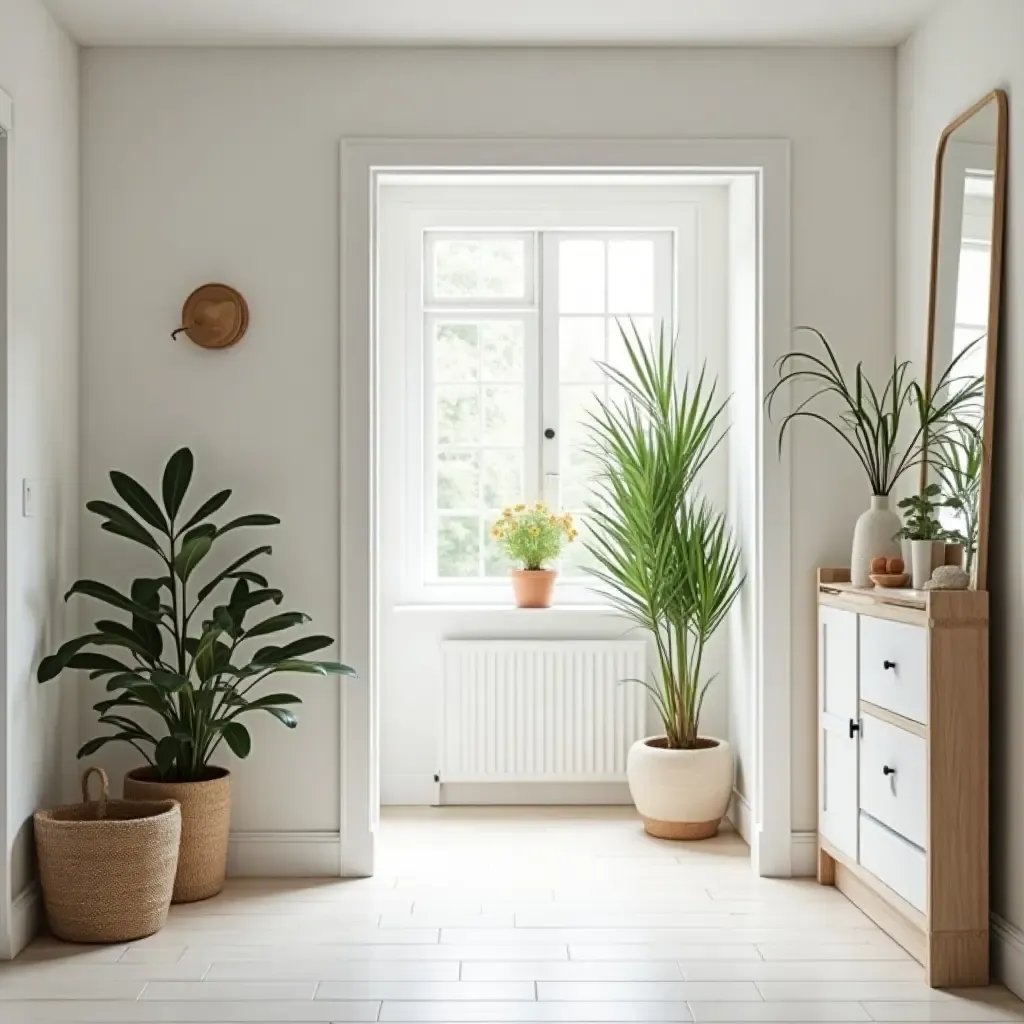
[182, 662]
[889, 429]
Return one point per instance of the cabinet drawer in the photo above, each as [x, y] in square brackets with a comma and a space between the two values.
[894, 667]
[894, 861]
[894, 778]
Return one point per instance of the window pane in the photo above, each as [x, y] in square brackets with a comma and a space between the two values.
[631, 276]
[576, 464]
[580, 347]
[458, 414]
[483, 268]
[458, 480]
[456, 352]
[503, 348]
[503, 414]
[581, 276]
[575, 556]
[496, 562]
[458, 546]
[502, 478]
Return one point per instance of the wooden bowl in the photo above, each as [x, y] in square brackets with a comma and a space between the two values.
[890, 580]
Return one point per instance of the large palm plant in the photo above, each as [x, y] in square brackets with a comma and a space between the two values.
[666, 557]
[181, 666]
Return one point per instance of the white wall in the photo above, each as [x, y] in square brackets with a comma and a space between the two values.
[39, 71]
[206, 164]
[968, 48]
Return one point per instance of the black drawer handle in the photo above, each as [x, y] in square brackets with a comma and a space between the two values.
[888, 665]
[886, 770]
[854, 728]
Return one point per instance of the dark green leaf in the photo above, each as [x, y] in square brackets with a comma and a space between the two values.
[203, 530]
[92, 661]
[257, 519]
[166, 755]
[285, 620]
[229, 572]
[172, 682]
[135, 533]
[101, 592]
[139, 500]
[207, 508]
[237, 738]
[177, 475]
[250, 577]
[190, 555]
[296, 649]
[283, 716]
[95, 744]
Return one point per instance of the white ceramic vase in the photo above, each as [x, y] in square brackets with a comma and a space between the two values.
[680, 794]
[873, 536]
[922, 561]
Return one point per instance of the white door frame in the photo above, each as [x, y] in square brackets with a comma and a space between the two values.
[362, 163]
[12, 924]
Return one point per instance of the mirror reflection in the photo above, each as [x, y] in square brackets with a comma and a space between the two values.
[964, 308]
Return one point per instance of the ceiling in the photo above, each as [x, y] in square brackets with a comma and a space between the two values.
[489, 22]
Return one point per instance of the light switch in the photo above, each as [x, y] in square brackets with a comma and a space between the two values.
[29, 498]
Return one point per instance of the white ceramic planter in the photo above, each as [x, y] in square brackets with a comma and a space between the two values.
[872, 537]
[922, 557]
[680, 794]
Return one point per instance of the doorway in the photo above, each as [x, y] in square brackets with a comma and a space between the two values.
[755, 484]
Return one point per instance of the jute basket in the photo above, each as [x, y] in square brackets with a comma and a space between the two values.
[107, 866]
[205, 826]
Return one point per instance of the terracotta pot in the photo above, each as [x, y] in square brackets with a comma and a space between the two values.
[680, 794]
[953, 555]
[205, 824]
[534, 588]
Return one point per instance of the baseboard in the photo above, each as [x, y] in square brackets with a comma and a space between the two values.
[804, 857]
[1007, 954]
[564, 794]
[26, 912]
[404, 790]
[740, 815]
[284, 855]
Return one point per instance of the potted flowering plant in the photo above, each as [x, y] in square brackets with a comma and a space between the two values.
[531, 536]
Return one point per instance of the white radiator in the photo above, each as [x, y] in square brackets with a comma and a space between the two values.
[540, 710]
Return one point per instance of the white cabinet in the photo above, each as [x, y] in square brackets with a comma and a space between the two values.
[837, 746]
[903, 767]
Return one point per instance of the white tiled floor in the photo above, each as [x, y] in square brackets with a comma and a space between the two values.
[533, 915]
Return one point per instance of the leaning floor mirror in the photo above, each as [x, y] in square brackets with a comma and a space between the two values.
[963, 318]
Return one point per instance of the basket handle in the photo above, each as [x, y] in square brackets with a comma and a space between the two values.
[101, 802]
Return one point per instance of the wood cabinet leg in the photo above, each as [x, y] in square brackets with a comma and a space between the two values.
[826, 868]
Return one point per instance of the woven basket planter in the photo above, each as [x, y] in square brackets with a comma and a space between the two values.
[205, 824]
[107, 866]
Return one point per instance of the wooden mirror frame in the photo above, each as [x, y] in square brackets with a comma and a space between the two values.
[999, 97]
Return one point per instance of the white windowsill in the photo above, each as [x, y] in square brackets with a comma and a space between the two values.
[486, 609]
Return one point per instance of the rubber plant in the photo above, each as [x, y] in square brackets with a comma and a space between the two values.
[666, 557]
[185, 652]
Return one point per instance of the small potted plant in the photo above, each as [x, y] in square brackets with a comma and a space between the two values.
[182, 661]
[924, 532]
[958, 463]
[533, 536]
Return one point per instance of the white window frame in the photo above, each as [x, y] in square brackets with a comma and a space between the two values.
[408, 214]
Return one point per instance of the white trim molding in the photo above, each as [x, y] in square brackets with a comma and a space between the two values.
[364, 162]
[741, 815]
[26, 913]
[284, 854]
[804, 854]
[1007, 954]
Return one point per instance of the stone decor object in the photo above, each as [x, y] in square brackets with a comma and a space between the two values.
[948, 577]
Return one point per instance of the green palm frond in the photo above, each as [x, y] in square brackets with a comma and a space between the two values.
[666, 559]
